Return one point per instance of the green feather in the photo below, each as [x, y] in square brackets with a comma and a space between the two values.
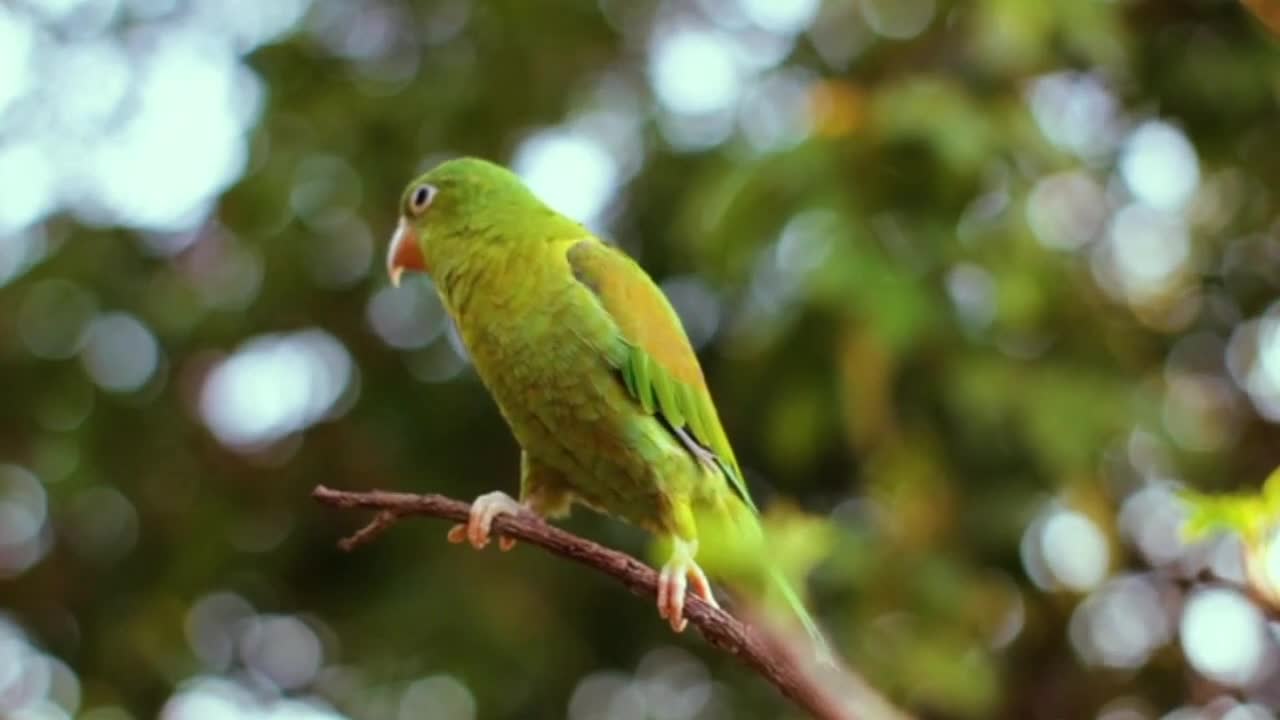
[629, 377]
[644, 380]
[666, 390]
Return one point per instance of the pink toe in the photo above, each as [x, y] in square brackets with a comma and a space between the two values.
[457, 534]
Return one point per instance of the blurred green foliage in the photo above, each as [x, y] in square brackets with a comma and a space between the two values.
[961, 291]
[1252, 515]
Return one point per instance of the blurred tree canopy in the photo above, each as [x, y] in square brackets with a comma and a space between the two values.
[982, 283]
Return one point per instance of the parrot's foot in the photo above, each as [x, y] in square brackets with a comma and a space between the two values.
[680, 571]
[483, 511]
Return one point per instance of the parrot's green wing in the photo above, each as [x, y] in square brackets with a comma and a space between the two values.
[656, 361]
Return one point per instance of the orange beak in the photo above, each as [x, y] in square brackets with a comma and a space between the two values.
[404, 253]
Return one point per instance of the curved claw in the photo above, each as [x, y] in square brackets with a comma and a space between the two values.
[702, 586]
[457, 534]
[674, 582]
[483, 511]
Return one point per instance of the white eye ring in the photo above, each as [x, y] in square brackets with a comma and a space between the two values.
[421, 198]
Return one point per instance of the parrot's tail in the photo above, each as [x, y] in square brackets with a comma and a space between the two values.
[750, 528]
[796, 604]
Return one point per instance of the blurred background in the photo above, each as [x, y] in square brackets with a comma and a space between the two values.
[980, 284]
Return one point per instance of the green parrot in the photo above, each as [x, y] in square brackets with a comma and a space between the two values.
[591, 369]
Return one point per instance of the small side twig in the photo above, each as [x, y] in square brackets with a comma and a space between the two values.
[826, 693]
[367, 534]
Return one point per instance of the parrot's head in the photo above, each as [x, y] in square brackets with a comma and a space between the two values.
[444, 214]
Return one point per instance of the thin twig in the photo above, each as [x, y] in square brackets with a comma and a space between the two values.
[827, 693]
[370, 532]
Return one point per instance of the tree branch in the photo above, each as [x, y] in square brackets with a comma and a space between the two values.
[827, 693]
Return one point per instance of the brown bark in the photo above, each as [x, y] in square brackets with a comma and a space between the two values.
[824, 691]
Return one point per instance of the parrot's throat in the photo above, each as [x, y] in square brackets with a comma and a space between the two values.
[463, 280]
[481, 285]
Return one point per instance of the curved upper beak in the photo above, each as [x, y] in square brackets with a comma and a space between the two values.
[404, 253]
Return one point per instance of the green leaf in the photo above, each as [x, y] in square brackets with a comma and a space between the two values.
[1271, 494]
[1250, 516]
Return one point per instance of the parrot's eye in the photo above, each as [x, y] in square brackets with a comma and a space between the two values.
[421, 198]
